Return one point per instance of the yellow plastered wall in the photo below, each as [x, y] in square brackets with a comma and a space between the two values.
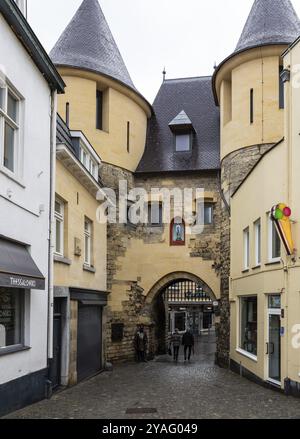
[121, 106]
[292, 97]
[256, 69]
[265, 187]
[70, 190]
[152, 262]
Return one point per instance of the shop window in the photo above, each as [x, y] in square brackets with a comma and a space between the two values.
[59, 213]
[87, 242]
[11, 317]
[274, 243]
[9, 128]
[248, 324]
[177, 232]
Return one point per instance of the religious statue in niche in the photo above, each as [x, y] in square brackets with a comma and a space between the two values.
[177, 232]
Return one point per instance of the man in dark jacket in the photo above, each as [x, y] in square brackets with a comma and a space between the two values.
[140, 344]
[188, 343]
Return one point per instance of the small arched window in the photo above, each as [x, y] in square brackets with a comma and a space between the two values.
[177, 231]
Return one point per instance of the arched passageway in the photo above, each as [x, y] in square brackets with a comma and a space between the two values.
[182, 301]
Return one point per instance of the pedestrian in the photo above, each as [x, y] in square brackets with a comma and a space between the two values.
[140, 344]
[188, 343]
[175, 342]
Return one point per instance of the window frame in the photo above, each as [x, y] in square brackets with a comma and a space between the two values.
[15, 125]
[257, 242]
[240, 348]
[59, 217]
[149, 214]
[271, 228]
[88, 237]
[88, 162]
[246, 249]
[180, 134]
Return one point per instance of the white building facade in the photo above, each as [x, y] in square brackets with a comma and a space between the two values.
[28, 89]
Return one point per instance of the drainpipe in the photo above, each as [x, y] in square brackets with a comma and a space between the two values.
[51, 237]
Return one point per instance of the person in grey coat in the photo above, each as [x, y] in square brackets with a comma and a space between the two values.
[175, 343]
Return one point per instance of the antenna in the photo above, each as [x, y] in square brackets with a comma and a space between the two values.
[164, 74]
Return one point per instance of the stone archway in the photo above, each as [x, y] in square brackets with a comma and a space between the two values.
[158, 307]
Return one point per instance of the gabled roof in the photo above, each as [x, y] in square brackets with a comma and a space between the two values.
[32, 45]
[194, 97]
[87, 43]
[269, 22]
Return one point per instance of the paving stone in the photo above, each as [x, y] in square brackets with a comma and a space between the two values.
[196, 390]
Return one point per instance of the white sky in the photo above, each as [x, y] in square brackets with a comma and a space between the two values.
[185, 36]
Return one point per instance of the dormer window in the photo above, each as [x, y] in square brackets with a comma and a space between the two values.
[88, 162]
[182, 128]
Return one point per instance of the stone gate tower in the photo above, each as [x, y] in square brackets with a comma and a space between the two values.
[248, 89]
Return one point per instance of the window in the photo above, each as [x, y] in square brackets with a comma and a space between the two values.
[281, 89]
[248, 324]
[155, 214]
[246, 249]
[87, 242]
[99, 110]
[128, 136]
[59, 227]
[88, 162]
[177, 232]
[251, 105]
[208, 213]
[183, 142]
[257, 232]
[9, 127]
[274, 243]
[11, 317]
[227, 101]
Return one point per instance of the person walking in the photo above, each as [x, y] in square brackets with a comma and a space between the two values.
[175, 342]
[140, 344]
[188, 342]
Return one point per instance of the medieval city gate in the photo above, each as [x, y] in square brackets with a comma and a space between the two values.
[181, 301]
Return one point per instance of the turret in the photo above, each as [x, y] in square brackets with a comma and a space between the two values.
[247, 84]
[101, 99]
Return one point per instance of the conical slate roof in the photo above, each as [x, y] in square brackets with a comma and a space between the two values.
[269, 22]
[88, 43]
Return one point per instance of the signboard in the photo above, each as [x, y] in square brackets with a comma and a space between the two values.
[16, 281]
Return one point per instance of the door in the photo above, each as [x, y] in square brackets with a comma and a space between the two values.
[274, 340]
[89, 341]
[180, 321]
[55, 370]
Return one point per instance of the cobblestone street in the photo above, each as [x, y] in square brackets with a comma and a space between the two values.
[196, 390]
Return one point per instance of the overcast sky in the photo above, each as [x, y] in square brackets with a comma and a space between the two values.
[187, 37]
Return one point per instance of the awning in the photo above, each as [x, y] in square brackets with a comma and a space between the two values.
[17, 268]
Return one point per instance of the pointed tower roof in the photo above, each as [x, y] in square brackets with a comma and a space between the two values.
[269, 22]
[87, 43]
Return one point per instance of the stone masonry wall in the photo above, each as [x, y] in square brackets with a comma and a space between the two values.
[235, 168]
[206, 246]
